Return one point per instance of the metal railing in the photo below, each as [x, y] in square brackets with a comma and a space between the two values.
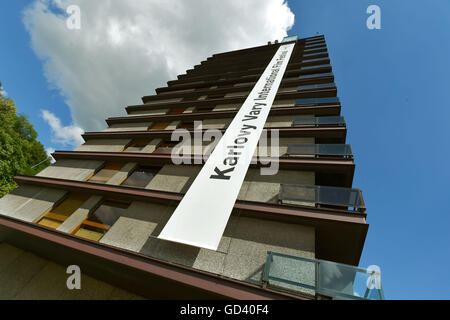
[314, 276]
[317, 121]
[348, 198]
[337, 150]
[325, 100]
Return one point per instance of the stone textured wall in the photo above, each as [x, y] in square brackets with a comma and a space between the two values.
[25, 276]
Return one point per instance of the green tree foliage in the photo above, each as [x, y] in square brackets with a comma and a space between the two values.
[19, 149]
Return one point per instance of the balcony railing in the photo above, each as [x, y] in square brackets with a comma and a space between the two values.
[317, 86]
[317, 121]
[345, 198]
[316, 75]
[324, 60]
[289, 38]
[334, 150]
[322, 47]
[314, 54]
[313, 276]
[326, 100]
[315, 67]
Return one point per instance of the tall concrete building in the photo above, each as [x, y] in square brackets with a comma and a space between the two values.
[295, 234]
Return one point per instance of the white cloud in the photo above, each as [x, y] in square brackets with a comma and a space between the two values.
[125, 49]
[49, 152]
[65, 135]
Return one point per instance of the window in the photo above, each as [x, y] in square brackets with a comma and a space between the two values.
[216, 96]
[60, 213]
[137, 145]
[165, 147]
[101, 220]
[141, 177]
[204, 109]
[186, 125]
[106, 173]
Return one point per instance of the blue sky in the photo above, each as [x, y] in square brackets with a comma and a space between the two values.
[393, 87]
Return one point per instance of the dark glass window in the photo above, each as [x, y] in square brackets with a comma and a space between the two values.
[137, 145]
[101, 220]
[141, 177]
[166, 147]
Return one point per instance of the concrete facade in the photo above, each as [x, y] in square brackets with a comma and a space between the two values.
[104, 145]
[30, 203]
[76, 218]
[71, 169]
[132, 126]
[25, 276]
[148, 112]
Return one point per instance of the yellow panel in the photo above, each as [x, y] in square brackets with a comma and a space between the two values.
[72, 203]
[89, 234]
[160, 125]
[49, 223]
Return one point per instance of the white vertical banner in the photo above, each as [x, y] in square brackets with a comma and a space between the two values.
[202, 215]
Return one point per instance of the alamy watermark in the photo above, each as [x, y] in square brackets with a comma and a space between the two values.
[374, 20]
[73, 22]
[197, 147]
[74, 280]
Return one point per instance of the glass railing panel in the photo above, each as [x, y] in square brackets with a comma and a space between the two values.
[307, 275]
[305, 55]
[322, 195]
[316, 75]
[325, 60]
[315, 42]
[289, 38]
[316, 121]
[348, 282]
[316, 67]
[314, 49]
[291, 273]
[317, 86]
[342, 150]
[317, 100]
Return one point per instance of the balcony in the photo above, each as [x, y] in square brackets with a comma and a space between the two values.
[316, 75]
[322, 196]
[317, 101]
[315, 67]
[314, 54]
[300, 275]
[317, 86]
[315, 60]
[289, 38]
[320, 150]
[318, 121]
